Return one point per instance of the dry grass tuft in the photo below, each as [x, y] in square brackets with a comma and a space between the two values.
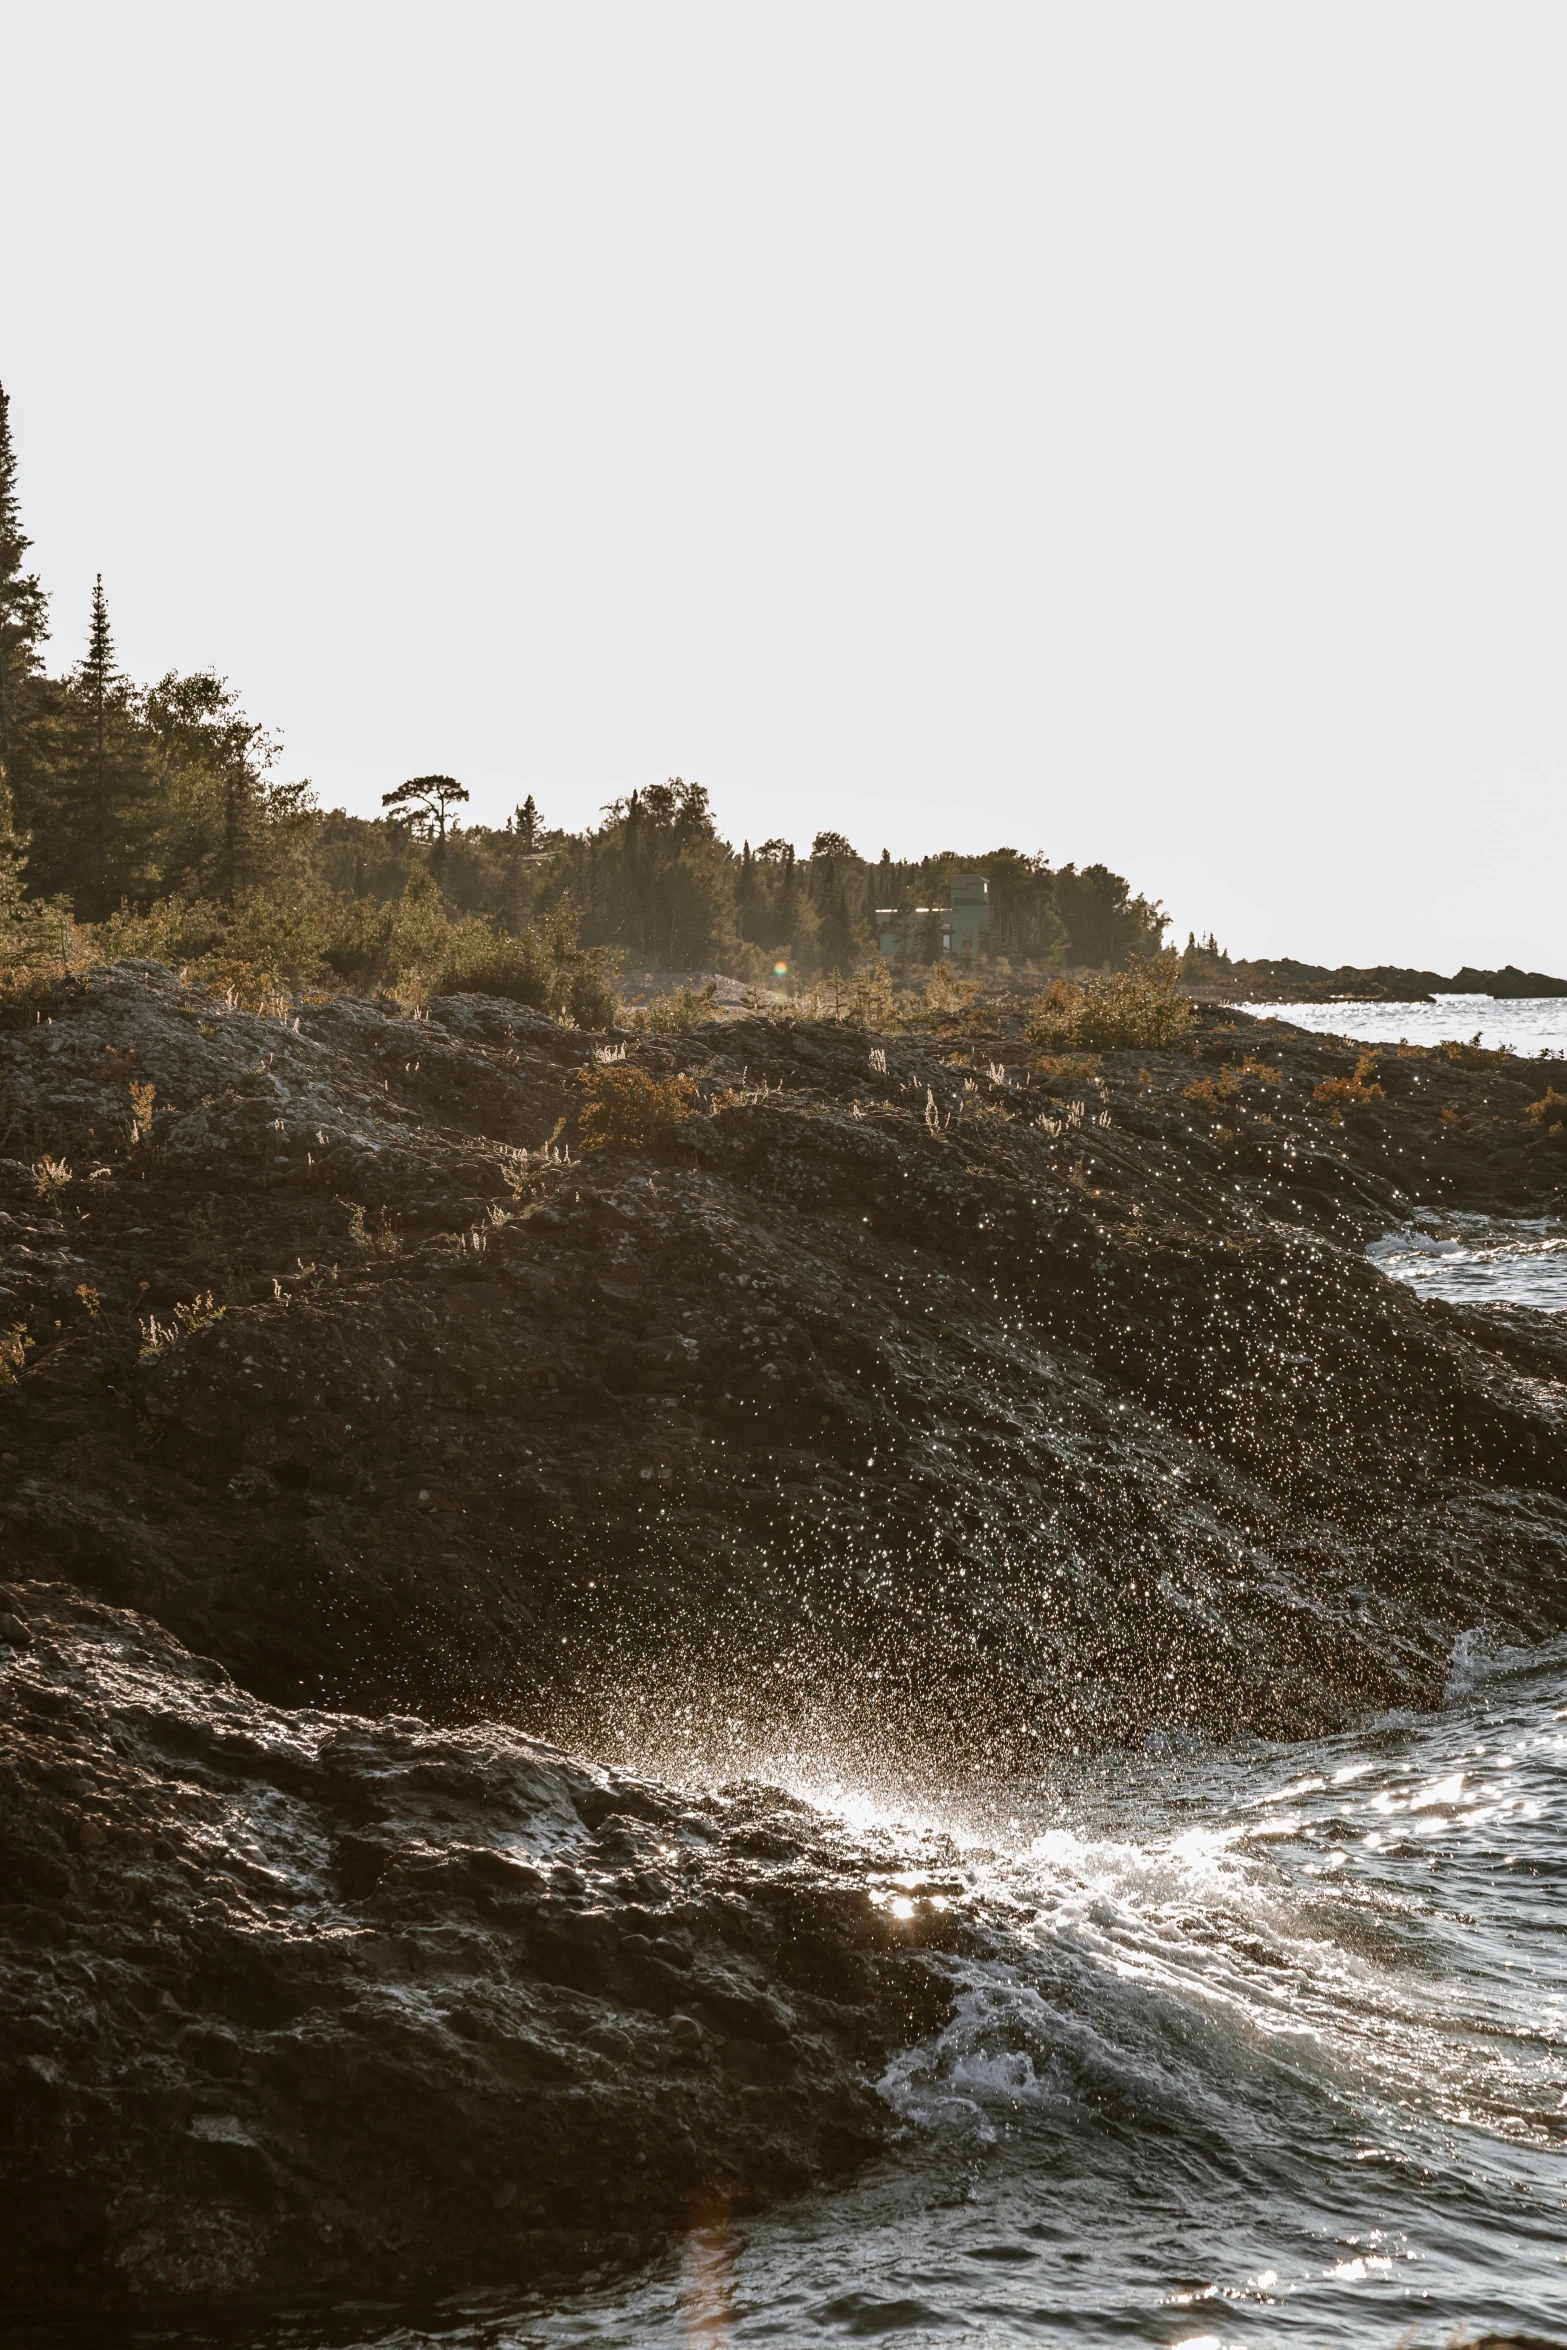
[383, 1238]
[157, 1337]
[143, 1095]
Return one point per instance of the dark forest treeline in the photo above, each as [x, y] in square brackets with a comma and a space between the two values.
[657, 881]
[156, 813]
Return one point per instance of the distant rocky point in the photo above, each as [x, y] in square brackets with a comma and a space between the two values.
[1284, 981]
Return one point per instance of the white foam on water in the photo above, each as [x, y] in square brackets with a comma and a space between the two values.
[1478, 1260]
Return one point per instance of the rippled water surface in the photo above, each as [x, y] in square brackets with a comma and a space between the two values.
[1480, 1260]
[1529, 1024]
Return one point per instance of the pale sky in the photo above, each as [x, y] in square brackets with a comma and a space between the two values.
[1130, 431]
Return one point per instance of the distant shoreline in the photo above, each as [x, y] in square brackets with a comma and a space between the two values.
[1286, 982]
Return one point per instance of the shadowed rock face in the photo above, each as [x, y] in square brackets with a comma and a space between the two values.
[303, 2002]
[1067, 1428]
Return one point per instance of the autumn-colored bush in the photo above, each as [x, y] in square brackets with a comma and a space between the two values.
[1227, 1084]
[630, 1107]
[1140, 1009]
[243, 985]
[1549, 1112]
[1474, 1055]
[1333, 1092]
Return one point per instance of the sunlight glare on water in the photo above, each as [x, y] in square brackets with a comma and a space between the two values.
[1526, 1024]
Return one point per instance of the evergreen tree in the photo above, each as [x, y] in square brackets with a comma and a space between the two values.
[788, 900]
[32, 930]
[13, 906]
[746, 897]
[663, 881]
[104, 693]
[838, 889]
[88, 802]
[98, 681]
[796, 931]
[425, 803]
[525, 861]
[212, 799]
[23, 607]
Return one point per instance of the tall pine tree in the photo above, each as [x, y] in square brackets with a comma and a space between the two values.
[24, 611]
[100, 686]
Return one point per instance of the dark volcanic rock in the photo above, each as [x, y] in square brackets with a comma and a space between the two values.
[1059, 1393]
[302, 2002]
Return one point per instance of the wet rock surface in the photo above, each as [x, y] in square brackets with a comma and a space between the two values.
[307, 2003]
[1063, 1392]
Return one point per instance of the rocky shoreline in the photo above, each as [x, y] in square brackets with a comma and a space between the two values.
[307, 2004]
[921, 1392]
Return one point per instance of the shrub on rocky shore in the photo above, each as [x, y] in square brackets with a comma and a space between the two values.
[631, 1106]
[1144, 1009]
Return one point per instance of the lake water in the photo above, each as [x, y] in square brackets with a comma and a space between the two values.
[1529, 1024]
[1479, 1260]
